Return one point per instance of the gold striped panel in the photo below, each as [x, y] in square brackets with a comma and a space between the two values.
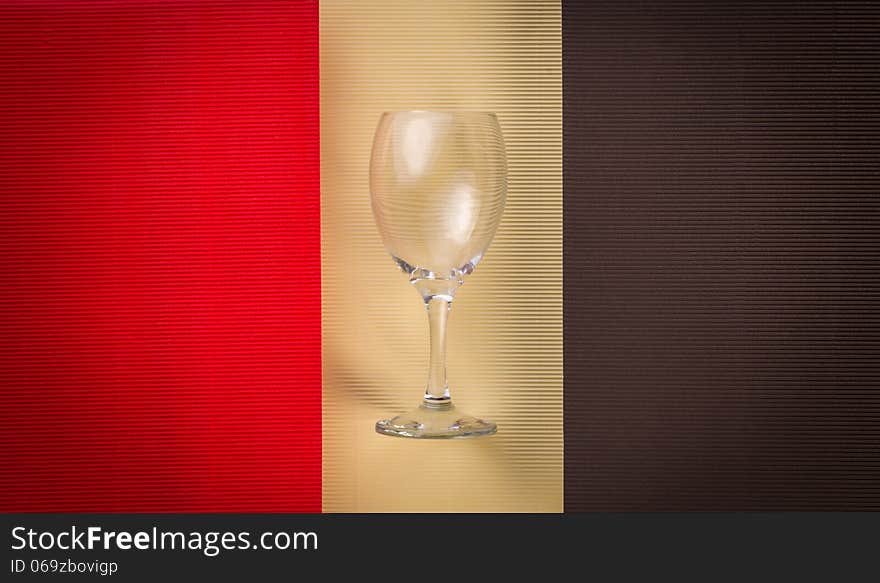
[505, 343]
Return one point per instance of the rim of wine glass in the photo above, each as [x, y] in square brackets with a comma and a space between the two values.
[451, 111]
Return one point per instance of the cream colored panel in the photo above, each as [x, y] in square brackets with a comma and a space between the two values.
[505, 329]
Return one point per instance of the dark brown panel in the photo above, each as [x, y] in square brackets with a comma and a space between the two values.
[722, 328]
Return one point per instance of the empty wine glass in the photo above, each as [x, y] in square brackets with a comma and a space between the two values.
[438, 181]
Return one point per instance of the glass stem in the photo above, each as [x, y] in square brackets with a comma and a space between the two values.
[437, 391]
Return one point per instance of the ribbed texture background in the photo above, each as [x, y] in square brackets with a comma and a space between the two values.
[505, 345]
[159, 256]
[722, 229]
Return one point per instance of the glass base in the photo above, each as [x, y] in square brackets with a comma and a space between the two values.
[435, 422]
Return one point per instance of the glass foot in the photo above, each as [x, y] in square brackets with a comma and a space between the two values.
[435, 422]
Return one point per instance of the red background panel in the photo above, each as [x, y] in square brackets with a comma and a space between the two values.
[160, 255]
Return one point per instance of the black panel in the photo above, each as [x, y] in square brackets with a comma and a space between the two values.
[722, 325]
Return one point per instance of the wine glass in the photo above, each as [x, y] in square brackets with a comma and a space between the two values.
[438, 183]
